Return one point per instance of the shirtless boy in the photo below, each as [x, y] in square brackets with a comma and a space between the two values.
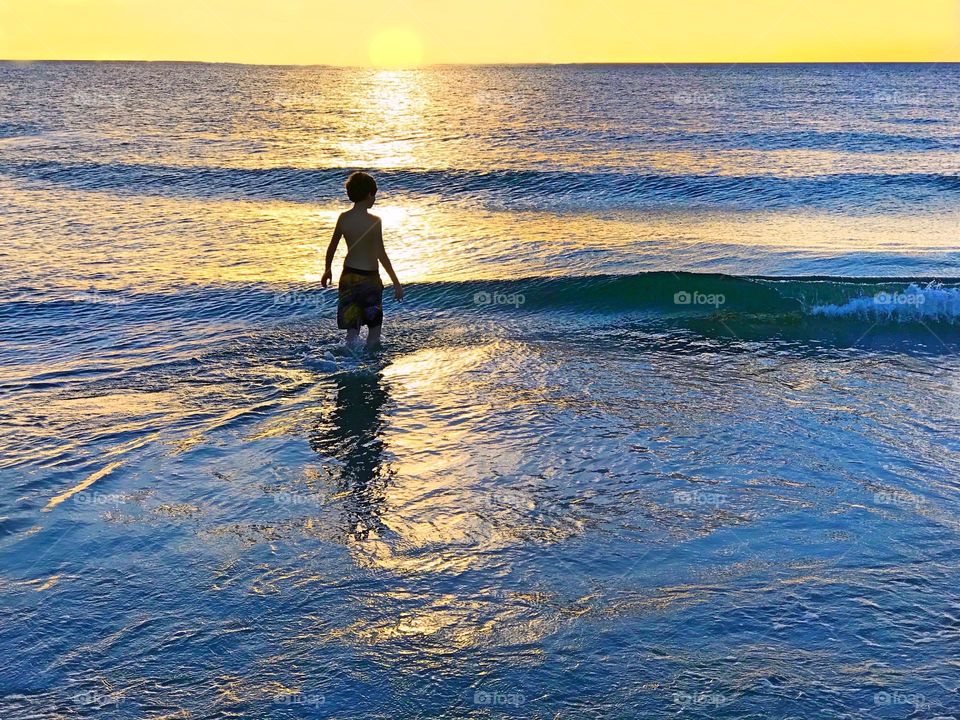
[360, 289]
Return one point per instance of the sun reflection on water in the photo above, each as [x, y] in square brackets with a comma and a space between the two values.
[389, 116]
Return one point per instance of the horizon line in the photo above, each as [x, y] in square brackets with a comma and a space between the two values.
[493, 64]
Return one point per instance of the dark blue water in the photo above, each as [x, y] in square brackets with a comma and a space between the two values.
[667, 425]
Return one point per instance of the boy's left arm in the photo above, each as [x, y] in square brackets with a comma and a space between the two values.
[387, 265]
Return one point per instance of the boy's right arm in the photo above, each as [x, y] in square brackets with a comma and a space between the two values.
[331, 251]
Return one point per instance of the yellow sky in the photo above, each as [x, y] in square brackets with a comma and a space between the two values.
[385, 32]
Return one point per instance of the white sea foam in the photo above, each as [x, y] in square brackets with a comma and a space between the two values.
[930, 302]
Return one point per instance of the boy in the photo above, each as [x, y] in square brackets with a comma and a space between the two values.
[360, 289]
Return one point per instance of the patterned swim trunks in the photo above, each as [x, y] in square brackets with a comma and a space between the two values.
[360, 299]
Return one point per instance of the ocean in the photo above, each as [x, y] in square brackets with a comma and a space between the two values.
[668, 424]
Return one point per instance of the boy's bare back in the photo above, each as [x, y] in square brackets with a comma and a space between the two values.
[363, 234]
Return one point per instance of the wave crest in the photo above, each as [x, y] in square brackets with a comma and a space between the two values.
[933, 302]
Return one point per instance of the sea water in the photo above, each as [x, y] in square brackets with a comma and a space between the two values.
[667, 425]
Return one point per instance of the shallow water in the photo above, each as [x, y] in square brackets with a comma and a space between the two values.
[667, 426]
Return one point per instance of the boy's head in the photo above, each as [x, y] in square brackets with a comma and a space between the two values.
[361, 187]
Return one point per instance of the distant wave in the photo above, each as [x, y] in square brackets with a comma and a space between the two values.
[14, 130]
[851, 141]
[562, 190]
[848, 142]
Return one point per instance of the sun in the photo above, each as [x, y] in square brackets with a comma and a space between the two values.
[396, 47]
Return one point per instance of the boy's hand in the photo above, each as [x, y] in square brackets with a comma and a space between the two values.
[326, 278]
[398, 291]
